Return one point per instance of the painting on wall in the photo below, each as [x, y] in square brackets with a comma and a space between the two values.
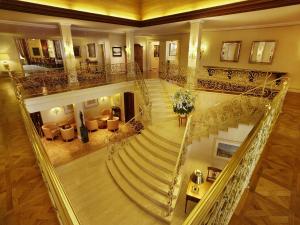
[76, 51]
[173, 49]
[156, 51]
[68, 109]
[91, 50]
[225, 148]
[116, 51]
[36, 52]
[91, 103]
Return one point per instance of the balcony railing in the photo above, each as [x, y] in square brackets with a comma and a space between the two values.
[56, 80]
[61, 203]
[218, 205]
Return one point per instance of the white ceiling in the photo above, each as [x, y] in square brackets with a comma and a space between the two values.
[279, 17]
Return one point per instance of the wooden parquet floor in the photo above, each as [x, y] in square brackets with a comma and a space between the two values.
[24, 198]
[274, 194]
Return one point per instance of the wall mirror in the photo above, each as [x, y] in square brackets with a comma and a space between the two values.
[262, 52]
[230, 51]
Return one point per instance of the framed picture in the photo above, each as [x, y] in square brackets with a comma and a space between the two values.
[156, 51]
[225, 148]
[68, 109]
[76, 51]
[173, 49]
[117, 51]
[91, 103]
[91, 50]
[36, 52]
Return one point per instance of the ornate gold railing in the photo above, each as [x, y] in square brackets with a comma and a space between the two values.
[132, 127]
[59, 199]
[179, 163]
[218, 205]
[173, 73]
[55, 81]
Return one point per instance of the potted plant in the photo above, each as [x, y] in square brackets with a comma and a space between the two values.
[183, 102]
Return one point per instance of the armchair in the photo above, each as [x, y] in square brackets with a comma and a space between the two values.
[67, 134]
[50, 131]
[92, 125]
[113, 124]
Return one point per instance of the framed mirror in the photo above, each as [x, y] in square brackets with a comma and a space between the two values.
[262, 52]
[230, 51]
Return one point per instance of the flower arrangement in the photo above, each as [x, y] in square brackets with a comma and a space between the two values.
[183, 102]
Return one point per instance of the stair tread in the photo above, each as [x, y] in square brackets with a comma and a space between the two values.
[147, 157]
[153, 148]
[159, 141]
[154, 196]
[149, 168]
[146, 178]
[171, 137]
[134, 195]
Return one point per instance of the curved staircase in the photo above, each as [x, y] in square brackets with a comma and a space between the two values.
[143, 168]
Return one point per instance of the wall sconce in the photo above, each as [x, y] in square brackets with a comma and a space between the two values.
[55, 110]
[203, 49]
[4, 58]
[128, 51]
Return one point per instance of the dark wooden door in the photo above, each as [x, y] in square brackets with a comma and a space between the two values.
[37, 121]
[45, 48]
[138, 55]
[129, 105]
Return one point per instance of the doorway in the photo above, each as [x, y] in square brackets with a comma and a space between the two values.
[129, 105]
[154, 51]
[138, 55]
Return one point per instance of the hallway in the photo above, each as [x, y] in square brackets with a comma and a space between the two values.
[24, 198]
[274, 196]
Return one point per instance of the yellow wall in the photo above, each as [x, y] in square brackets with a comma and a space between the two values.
[129, 9]
[157, 8]
[7, 45]
[286, 57]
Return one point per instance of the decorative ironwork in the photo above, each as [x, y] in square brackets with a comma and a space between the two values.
[173, 73]
[55, 81]
[218, 205]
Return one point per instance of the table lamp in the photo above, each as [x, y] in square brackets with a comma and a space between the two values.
[4, 58]
[197, 177]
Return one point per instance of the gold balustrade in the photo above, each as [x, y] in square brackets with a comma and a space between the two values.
[218, 205]
[59, 199]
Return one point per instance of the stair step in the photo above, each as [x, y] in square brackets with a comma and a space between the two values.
[143, 155]
[135, 196]
[159, 174]
[152, 182]
[162, 134]
[154, 196]
[159, 142]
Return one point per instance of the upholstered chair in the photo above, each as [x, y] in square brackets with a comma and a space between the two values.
[67, 134]
[113, 124]
[50, 131]
[72, 123]
[92, 125]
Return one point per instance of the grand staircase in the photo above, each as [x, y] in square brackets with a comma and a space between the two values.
[143, 166]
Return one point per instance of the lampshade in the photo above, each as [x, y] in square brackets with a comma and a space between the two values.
[4, 56]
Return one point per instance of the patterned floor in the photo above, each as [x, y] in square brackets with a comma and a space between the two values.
[274, 195]
[23, 195]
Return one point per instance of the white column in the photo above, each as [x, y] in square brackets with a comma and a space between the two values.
[194, 56]
[130, 46]
[78, 107]
[69, 57]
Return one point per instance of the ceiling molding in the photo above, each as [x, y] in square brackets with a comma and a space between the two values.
[294, 23]
[19, 23]
[240, 7]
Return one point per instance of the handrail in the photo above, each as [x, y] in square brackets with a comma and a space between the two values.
[179, 163]
[219, 203]
[57, 194]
